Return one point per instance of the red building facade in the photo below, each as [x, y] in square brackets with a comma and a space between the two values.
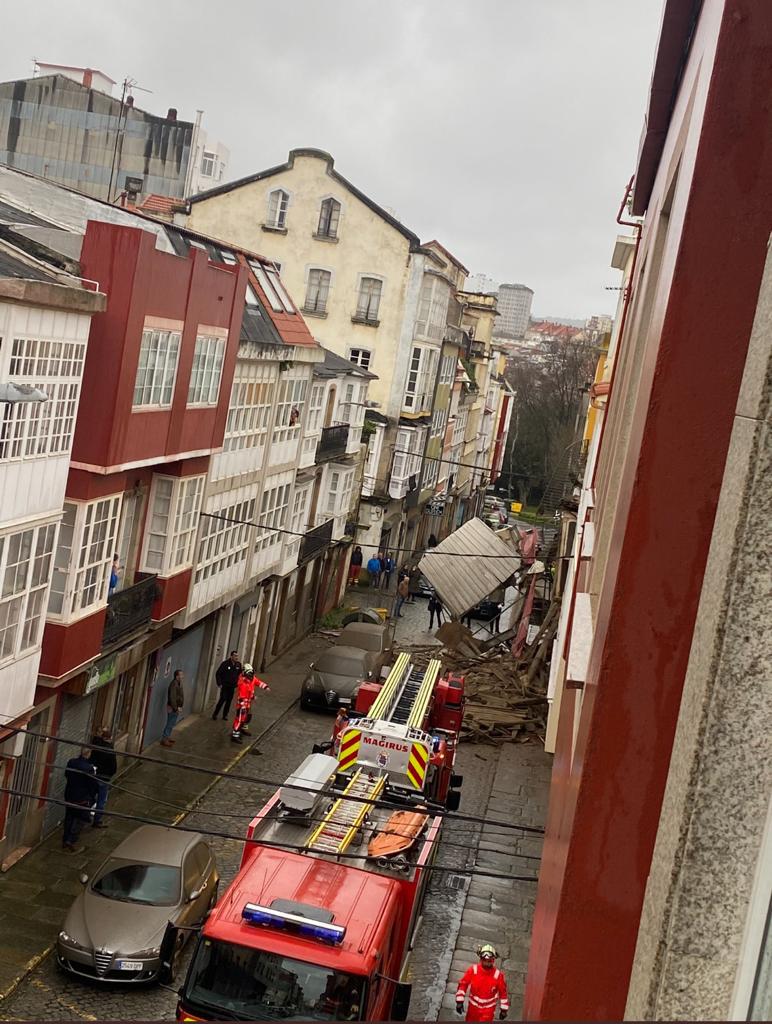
[703, 185]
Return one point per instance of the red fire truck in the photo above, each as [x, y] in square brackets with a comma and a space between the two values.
[319, 922]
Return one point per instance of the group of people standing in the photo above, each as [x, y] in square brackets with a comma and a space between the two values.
[379, 569]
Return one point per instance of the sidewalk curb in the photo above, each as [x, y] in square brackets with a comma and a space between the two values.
[188, 809]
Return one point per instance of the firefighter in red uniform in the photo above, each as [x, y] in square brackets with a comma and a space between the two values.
[486, 987]
[245, 692]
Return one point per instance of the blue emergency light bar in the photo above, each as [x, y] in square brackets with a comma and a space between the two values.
[253, 913]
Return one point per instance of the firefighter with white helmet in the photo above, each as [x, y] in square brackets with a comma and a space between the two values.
[486, 987]
[245, 692]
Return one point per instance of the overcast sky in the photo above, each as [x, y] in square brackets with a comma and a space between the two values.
[507, 129]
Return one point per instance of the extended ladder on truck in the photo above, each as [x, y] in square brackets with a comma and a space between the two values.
[344, 819]
[405, 695]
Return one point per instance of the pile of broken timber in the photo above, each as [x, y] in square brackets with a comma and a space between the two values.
[506, 698]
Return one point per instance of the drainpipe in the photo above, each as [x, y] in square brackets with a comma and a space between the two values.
[192, 162]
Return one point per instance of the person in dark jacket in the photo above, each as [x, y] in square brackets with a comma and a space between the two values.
[105, 765]
[435, 608]
[226, 677]
[175, 698]
[355, 567]
[387, 568]
[80, 792]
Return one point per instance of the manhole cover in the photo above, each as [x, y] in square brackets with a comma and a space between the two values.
[457, 882]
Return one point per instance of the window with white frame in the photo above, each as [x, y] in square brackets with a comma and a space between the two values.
[369, 299]
[360, 357]
[374, 448]
[408, 453]
[329, 217]
[249, 411]
[33, 429]
[272, 518]
[431, 319]
[290, 406]
[338, 495]
[317, 291]
[267, 275]
[298, 521]
[278, 201]
[315, 406]
[459, 426]
[157, 368]
[208, 161]
[347, 408]
[419, 389]
[439, 422]
[175, 508]
[25, 571]
[224, 541]
[431, 472]
[206, 373]
[84, 554]
[447, 369]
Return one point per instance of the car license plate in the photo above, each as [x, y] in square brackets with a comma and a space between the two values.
[130, 965]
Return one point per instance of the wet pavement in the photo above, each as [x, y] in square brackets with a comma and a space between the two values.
[510, 781]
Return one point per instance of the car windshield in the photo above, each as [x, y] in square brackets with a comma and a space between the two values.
[250, 984]
[338, 664]
[156, 884]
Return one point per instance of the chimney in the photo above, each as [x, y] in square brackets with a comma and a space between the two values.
[172, 115]
[88, 74]
[129, 101]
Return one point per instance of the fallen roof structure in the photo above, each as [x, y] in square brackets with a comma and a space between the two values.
[468, 565]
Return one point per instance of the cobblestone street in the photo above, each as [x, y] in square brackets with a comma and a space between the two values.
[510, 781]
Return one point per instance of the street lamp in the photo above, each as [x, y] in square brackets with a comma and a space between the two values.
[13, 394]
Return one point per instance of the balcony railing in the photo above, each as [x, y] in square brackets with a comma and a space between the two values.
[129, 610]
[332, 443]
[313, 541]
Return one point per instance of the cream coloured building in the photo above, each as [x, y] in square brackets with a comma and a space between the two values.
[368, 290]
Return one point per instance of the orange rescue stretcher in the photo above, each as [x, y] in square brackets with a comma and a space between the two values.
[397, 835]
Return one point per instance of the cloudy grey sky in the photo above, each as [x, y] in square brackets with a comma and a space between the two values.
[507, 129]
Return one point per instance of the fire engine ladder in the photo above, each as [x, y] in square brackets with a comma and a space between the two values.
[345, 817]
[386, 700]
[412, 706]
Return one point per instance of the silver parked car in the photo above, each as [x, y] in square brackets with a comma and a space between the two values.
[130, 922]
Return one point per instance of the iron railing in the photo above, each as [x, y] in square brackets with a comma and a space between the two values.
[313, 541]
[332, 443]
[129, 609]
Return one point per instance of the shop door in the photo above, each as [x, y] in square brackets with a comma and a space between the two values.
[183, 653]
[74, 725]
[25, 781]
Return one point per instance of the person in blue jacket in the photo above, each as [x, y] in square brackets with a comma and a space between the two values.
[80, 791]
[374, 569]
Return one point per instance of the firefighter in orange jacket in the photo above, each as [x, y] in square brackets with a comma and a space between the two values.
[245, 692]
[486, 986]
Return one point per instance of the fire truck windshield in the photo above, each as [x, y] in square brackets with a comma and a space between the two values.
[251, 984]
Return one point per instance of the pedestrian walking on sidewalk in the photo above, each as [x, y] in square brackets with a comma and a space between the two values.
[355, 566]
[80, 793]
[105, 765]
[435, 608]
[175, 698]
[248, 683]
[403, 590]
[227, 677]
[486, 986]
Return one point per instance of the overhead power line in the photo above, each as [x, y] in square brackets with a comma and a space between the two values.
[293, 847]
[271, 783]
[248, 815]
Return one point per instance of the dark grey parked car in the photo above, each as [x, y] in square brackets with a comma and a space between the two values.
[336, 675]
[127, 924]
